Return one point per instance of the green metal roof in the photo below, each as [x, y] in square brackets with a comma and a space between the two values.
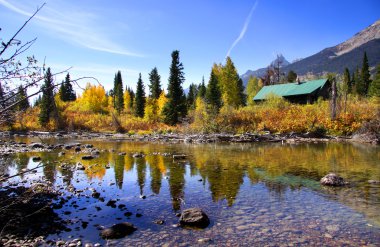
[290, 89]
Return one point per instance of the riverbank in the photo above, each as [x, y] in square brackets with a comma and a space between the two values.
[8, 146]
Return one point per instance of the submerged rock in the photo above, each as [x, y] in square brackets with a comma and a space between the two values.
[118, 231]
[36, 158]
[332, 179]
[194, 217]
[87, 157]
[36, 145]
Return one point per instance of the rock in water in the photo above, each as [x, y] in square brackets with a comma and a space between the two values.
[194, 217]
[332, 179]
[87, 157]
[119, 230]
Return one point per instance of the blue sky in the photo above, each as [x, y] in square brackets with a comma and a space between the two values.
[97, 38]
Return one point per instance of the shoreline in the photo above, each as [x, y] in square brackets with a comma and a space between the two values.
[7, 146]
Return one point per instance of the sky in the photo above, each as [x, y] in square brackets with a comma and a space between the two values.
[97, 38]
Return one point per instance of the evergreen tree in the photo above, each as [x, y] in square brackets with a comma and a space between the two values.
[140, 98]
[292, 76]
[355, 80]
[155, 84]
[175, 107]
[22, 99]
[242, 97]
[213, 94]
[347, 80]
[66, 90]
[192, 95]
[364, 81]
[38, 101]
[202, 89]
[47, 104]
[62, 91]
[132, 96]
[118, 94]
[374, 88]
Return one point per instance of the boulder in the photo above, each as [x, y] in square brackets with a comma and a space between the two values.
[36, 158]
[194, 217]
[119, 230]
[87, 157]
[36, 145]
[332, 179]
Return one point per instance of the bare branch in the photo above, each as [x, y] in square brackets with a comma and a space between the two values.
[20, 29]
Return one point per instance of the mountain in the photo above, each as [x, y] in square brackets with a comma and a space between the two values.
[261, 72]
[334, 59]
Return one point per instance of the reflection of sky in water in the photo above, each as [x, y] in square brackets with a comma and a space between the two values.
[261, 193]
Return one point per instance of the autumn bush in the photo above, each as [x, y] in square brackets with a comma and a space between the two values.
[277, 116]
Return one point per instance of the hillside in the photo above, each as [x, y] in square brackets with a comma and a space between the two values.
[334, 59]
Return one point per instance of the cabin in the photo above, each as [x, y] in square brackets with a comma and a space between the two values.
[305, 92]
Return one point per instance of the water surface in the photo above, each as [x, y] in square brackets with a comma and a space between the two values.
[262, 194]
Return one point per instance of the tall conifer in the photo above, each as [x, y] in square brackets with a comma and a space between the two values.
[176, 104]
[140, 98]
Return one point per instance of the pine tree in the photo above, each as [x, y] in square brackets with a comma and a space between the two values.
[202, 89]
[374, 88]
[176, 104]
[62, 91]
[213, 94]
[192, 95]
[118, 94]
[140, 98]
[364, 81]
[355, 80]
[132, 96]
[347, 80]
[22, 99]
[242, 97]
[155, 84]
[66, 90]
[70, 93]
[47, 104]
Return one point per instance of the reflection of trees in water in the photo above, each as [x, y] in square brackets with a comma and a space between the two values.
[155, 164]
[141, 173]
[176, 183]
[128, 163]
[50, 167]
[21, 160]
[224, 179]
[119, 170]
[5, 163]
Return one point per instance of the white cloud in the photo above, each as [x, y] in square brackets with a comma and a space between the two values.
[244, 29]
[74, 26]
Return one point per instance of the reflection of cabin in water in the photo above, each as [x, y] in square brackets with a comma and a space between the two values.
[297, 92]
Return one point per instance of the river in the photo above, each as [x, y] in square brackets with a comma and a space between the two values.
[254, 194]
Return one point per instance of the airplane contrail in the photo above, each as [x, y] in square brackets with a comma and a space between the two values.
[245, 27]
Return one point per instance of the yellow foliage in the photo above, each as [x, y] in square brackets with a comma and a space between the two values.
[93, 99]
[161, 101]
[151, 110]
[127, 101]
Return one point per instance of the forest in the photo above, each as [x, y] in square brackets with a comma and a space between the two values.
[222, 104]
